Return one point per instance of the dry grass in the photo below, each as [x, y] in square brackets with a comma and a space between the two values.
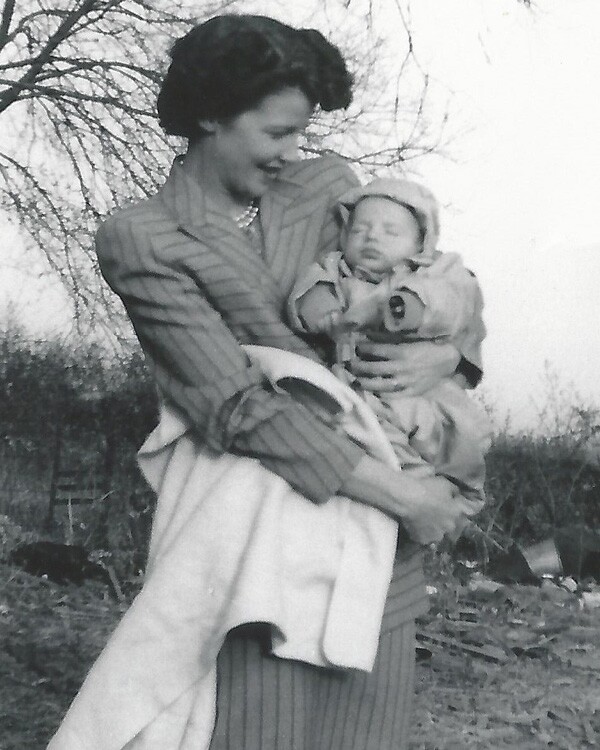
[549, 696]
[50, 635]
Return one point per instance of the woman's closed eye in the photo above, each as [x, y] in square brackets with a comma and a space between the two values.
[279, 135]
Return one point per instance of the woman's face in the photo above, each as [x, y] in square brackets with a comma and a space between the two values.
[251, 149]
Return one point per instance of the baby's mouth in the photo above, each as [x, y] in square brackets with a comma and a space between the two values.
[372, 253]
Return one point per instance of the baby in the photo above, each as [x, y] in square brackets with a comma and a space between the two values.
[389, 278]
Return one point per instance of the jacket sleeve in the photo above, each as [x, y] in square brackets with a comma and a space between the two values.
[453, 307]
[314, 295]
[200, 367]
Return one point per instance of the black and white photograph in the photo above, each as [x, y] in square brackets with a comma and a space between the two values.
[299, 393]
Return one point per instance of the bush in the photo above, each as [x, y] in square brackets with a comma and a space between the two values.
[547, 480]
[98, 406]
[69, 404]
[537, 485]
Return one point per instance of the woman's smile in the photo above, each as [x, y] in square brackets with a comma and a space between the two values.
[272, 171]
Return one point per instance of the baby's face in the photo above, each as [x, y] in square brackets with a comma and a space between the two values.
[380, 235]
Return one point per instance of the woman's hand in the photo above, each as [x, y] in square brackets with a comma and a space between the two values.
[412, 368]
[429, 508]
[440, 512]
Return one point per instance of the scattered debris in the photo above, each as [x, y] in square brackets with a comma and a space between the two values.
[451, 645]
[579, 550]
[590, 599]
[543, 559]
[569, 583]
[483, 585]
[478, 651]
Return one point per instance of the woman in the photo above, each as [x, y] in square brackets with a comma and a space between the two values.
[203, 268]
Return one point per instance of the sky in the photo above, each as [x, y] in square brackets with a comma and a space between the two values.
[519, 187]
[521, 197]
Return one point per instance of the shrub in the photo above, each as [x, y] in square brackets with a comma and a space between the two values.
[97, 406]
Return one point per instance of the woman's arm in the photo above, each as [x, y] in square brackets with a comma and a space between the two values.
[428, 508]
[200, 367]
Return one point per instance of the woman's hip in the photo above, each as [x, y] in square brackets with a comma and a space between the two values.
[266, 703]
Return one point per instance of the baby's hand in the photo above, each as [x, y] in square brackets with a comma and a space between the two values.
[336, 324]
[328, 323]
[363, 315]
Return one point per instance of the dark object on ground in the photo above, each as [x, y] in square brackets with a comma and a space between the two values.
[61, 563]
[511, 567]
[579, 551]
[576, 551]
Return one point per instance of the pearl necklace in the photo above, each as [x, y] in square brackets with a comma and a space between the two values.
[247, 216]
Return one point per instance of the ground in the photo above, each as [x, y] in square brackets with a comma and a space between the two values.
[514, 667]
[533, 680]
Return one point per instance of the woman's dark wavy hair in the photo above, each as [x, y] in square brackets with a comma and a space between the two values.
[226, 65]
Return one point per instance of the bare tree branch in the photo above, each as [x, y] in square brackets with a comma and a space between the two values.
[78, 85]
[7, 14]
[61, 33]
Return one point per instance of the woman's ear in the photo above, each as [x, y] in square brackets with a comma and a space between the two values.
[344, 214]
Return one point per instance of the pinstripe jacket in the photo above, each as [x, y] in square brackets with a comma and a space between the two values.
[195, 289]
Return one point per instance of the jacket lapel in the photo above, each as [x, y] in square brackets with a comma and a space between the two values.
[291, 223]
[241, 283]
[197, 219]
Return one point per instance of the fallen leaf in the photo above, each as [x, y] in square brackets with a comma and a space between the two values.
[531, 652]
[590, 734]
[591, 599]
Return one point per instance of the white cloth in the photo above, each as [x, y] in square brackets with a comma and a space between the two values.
[233, 543]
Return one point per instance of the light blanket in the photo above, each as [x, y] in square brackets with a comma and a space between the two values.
[233, 543]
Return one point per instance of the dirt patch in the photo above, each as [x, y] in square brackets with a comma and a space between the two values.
[50, 635]
[518, 667]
